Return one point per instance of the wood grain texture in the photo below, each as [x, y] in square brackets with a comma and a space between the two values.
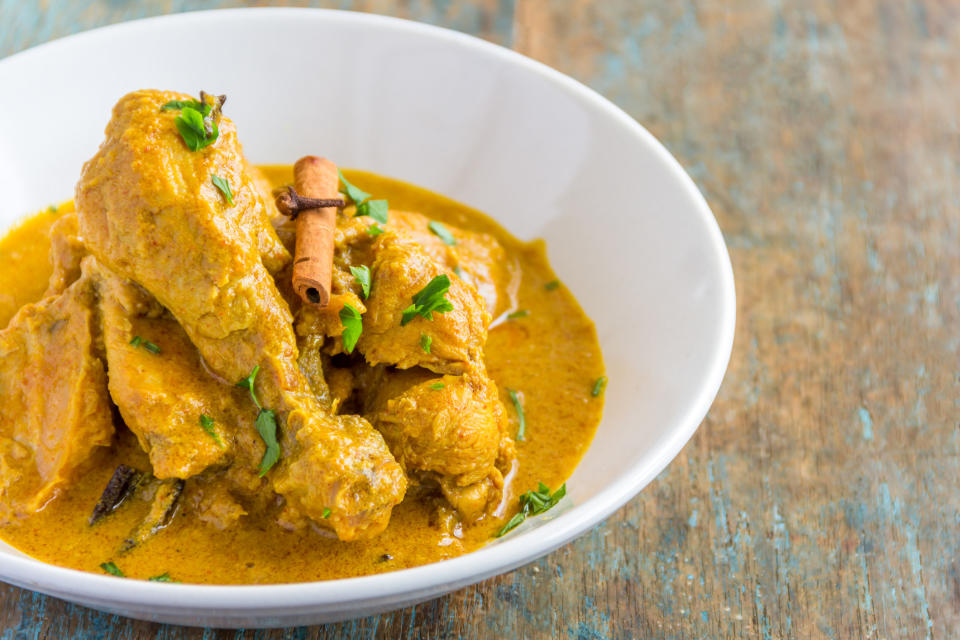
[819, 498]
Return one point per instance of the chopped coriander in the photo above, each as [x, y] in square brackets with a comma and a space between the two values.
[193, 128]
[112, 569]
[352, 323]
[429, 299]
[224, 186]
[553, 284]
[326, 513]
[374, 230]
[207, 423]
[460, 272]
[146, 344]
[376, 209]
[442, 232]
[436, 386]
[425, 342]
[52, 208]
[521, 417]
[519, 313]
[163, 577]
[362, 275]
[356, 194]
[266, 425]
[598, 386]
[177, 105]
[534, 503]
[249, 382]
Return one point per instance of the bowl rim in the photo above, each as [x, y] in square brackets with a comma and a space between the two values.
[422, 581]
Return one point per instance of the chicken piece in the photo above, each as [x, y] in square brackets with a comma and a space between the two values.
[400, 270]
[182, 416]
[452, 430]
[54, 408]
[149, 213]
[66, 252]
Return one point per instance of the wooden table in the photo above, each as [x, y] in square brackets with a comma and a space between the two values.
[820, 497]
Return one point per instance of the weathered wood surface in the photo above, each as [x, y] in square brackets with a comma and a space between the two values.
[819, 498]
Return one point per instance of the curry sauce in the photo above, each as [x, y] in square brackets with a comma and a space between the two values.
[550, 356]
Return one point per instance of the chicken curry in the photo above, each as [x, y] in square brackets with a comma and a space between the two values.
[172, 410]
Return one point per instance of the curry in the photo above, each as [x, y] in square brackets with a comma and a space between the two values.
[173, 411]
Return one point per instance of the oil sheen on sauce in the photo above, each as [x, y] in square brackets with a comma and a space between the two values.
[551, 357]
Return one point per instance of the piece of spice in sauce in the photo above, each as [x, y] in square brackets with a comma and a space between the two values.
[534, 503]
[598, 386]
[429, 299]
[521, 416]
[442, 232]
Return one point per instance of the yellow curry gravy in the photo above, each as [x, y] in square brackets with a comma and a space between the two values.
[551, 357]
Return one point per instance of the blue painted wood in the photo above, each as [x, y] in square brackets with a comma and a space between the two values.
[818, 500]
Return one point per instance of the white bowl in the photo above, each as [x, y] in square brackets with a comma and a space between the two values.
[626, 230]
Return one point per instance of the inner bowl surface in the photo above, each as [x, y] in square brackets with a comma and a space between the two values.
[626, 230]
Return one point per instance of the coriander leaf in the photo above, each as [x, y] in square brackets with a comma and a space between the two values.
[513, 524]
[248, 383]
[191, 126]
[136, 341]
[533, 503]
[224, 187]
[429, 299]
[52, 208]
[460, 272]
[163, 577]
[425, 342]
[266, 425]
[176, 105]
[326, 513]
[521, 417]
[374, 230]
[376, 209]
[519, 313]
[436, 386]
[553, 284]
[112, 569]
[207, 423]
[442, 232]
[362, 276]
[355, 194]
[598, 386]
[352, 323]
[152, 348]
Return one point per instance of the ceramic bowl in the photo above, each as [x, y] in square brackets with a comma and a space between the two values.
[626, 230]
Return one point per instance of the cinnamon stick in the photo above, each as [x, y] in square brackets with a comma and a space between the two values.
[313, 254]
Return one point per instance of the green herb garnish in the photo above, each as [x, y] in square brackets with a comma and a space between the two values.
[224, 187]
[521, 417]
[519, 313]
[356, 194]
[112, 569]
[207, 423]
[163, 577]
[553, 284]
[352, 323]
[429, 299]
[598, 386]
[52, 208]
[533, 503]
[442, 232]
[193, 126]
[146, 344]
[374, 230]
[362, 276]
[436, 386]
[326, 513]
[176, 105]
[266, 425]
[376, 209]
[460, 272]
[425, 342]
